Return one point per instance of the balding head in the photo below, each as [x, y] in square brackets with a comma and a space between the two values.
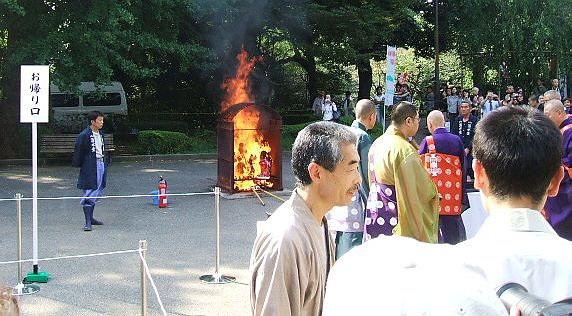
[364, 107]
[551, 95]
[435, 119]
[555, 111]
[365, 113]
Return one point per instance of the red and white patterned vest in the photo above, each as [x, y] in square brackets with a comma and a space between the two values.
[445, 171]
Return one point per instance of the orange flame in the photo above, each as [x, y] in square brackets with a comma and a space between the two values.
[238, 88]
[252, 153]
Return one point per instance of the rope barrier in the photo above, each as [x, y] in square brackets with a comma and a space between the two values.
[109, 196]
[139, 251]
[71, 257]
[148, 273]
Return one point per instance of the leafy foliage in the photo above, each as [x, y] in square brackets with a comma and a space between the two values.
[163, 142]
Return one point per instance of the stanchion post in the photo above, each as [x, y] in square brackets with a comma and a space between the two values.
[217, 277]
[21, 288]
[143, 249]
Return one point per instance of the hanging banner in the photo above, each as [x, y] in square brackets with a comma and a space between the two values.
[34, 94]
[390, 75]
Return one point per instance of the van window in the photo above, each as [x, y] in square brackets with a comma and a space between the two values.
[99, 99]
[64, 100]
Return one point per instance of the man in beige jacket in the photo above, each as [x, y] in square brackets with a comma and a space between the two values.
[293, 253]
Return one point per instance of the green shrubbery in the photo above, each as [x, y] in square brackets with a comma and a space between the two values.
[163, 142]
[204, 141]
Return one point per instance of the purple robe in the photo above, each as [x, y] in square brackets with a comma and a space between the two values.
[559, 207]
[451, 227]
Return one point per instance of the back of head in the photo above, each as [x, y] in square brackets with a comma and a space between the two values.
[8, 303]
[319, 143]
[551, 95]
[520, 150]
[402, 111]
[364, 108]
[436, 119]
[555, 105]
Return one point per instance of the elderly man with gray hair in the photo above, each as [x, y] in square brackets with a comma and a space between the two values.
[293, 254]
[348, 221]
[559, 207]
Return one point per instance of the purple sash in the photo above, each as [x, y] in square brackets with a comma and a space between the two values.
[381, 210]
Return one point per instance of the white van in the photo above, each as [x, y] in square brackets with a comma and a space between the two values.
[70, 110]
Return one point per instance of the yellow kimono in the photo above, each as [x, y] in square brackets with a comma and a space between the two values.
[403, 200]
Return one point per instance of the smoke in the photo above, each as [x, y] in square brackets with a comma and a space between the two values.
[237, 24]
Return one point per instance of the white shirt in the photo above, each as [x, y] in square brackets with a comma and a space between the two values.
[402, 276]
[518, 245]
[98, 145]
[328, 109]
[489, 106]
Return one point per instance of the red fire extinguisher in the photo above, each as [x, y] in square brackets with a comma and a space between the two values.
[163, 193]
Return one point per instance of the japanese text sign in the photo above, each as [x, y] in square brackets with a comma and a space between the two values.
[34, 94]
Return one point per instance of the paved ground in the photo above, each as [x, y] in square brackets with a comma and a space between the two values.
[181, 241]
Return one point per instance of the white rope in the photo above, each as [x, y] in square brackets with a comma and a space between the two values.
[146, 267]
[108, 196]
[71, 257]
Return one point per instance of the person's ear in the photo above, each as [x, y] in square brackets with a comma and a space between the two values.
[481, 180]
[315, 172]
[554, 185]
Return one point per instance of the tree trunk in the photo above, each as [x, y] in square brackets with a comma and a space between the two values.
[478, 77]
[365, 77]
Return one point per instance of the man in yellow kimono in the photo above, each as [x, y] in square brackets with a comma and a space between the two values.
[402, 200]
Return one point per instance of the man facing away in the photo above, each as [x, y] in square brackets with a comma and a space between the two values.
[89, 157]
[293, 254]
[403, 200]
[517, 165]
[559, 207]
[464, 127]
[348, 221]
[444, 158]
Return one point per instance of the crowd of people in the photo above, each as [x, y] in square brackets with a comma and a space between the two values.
[404, 202]
[451, 97]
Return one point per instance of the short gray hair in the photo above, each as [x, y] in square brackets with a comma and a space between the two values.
[319, 143]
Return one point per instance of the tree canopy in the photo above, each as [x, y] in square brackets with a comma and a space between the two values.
[172, 55]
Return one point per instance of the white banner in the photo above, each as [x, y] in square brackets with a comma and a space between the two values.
[34, 94]
[390, 75]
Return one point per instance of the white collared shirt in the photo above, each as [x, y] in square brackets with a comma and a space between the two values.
[98, 145]
[518, 245]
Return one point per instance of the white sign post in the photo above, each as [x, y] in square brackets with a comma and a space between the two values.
[34, 108]
[389, 79]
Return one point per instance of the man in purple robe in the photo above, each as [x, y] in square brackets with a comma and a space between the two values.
[559, 207]
[451, 227]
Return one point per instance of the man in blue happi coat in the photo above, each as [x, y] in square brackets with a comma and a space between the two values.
[89, 157]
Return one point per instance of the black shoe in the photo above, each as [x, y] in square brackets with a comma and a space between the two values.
[86, 228]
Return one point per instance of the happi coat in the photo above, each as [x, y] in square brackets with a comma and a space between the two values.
[403, 200]
[84, 158]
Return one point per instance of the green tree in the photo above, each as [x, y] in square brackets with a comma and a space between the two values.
[531, 36]
[93, 41]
